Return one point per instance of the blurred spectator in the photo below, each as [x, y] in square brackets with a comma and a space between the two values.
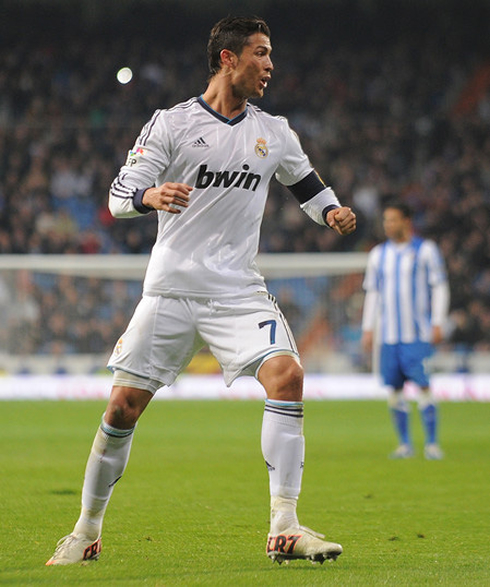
[381, 115]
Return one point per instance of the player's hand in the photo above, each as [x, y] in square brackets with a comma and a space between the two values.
[342, 220]
[437, 335]
[169, 197]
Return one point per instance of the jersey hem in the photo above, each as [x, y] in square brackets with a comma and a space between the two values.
[205, 295]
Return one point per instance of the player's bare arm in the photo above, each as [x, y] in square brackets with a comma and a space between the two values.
[169, 197]
[342, 220]
[367, 341]
[437, 335]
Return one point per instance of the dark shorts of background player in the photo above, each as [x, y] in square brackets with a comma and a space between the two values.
[405, 362]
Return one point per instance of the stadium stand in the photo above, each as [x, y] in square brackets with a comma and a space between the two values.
[381, 114]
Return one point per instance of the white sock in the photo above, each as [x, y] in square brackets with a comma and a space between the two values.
[283, 514]
[105, 466]
[283, 448]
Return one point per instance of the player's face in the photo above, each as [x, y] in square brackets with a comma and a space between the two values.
[395, 225]
[254, 67]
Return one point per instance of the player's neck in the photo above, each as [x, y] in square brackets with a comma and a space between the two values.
[402, 239]
[220, 98]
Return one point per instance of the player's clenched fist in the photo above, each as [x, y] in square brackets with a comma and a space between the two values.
[169, 197]
[342, 220]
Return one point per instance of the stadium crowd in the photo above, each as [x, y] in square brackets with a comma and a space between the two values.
[406, 120]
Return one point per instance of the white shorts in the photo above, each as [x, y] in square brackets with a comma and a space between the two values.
[165, 333]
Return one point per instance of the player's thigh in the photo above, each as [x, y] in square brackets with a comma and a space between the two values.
[390, 367]
[415, 358]
[240, 333]
[159, 341]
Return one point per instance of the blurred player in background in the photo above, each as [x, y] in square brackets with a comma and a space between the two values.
[205, 166]
[406, 287]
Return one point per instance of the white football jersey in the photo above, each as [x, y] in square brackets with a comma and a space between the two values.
[209, 249]
[405, 276]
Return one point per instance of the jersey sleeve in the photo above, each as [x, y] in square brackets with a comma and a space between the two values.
[371, 287]
[148, 158]
[296, 173]
[440, 303]
[369, 311]
[371, 280]
[435, 264]
[438, 282]
[294, 165]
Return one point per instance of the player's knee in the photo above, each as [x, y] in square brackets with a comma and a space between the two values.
[121, 415]
[396, 400]
[125, 407]
[282, 378]
[425, 398]
[295, 374]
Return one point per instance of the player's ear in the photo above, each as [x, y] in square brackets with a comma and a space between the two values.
[228, 58]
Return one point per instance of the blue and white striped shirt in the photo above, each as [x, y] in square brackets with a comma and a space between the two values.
[403, 275]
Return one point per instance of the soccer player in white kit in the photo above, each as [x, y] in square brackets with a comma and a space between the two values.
[205, 166]
[406, 286]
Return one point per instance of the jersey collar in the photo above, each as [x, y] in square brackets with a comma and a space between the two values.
[229, 121]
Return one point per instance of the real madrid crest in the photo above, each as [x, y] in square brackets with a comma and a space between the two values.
[118, 349]
[261, 149]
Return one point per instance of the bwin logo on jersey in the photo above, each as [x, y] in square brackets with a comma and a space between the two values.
[237, 179]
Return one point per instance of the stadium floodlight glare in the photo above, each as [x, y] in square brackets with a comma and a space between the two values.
[124, 75]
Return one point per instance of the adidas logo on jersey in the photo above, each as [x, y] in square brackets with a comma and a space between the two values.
[200, 143]
[237, 179]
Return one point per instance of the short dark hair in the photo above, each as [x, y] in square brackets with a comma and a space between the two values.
[403, 208]
[232, 33]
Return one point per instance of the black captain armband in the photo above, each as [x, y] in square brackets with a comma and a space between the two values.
[307, 188]
[138, 202]
[315, 198]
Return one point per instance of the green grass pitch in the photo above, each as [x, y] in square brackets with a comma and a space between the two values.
[192, 507]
